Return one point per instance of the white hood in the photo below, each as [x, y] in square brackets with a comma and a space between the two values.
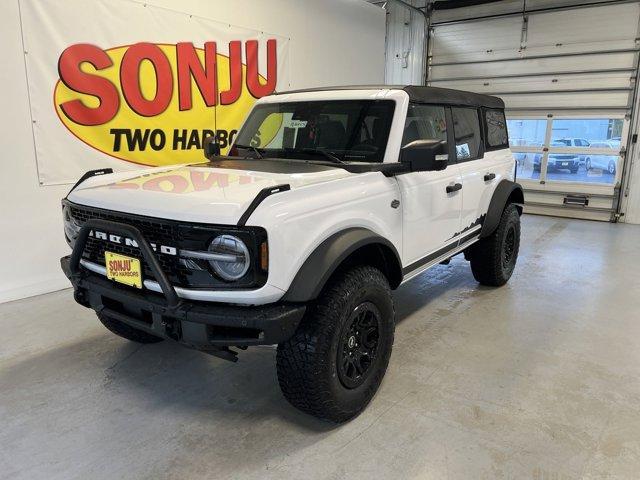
[197, 193]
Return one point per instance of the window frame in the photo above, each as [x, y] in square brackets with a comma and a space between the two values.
[487, 146]
[481, 131]
[448, 118]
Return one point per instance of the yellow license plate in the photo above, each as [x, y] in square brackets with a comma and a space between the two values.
[123, 269]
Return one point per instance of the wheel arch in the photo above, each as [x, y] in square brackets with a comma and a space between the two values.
[346, 248]
[505, 193]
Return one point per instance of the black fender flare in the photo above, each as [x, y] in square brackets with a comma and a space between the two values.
[506, 192]
[329, 255]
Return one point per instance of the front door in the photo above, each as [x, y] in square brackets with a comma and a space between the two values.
[431, 213]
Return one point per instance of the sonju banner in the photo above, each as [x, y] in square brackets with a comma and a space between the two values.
[116, 83]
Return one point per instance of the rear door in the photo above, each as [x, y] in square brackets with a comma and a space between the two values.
[431, 215]
[484, 160]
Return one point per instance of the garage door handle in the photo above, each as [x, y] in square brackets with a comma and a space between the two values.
[489, 176]
[454, 188]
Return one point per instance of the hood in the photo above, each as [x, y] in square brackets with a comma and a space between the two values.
[218, 192]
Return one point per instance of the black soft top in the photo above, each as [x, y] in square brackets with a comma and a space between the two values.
[421, 94]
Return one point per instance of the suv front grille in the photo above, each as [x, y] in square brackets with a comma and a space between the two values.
[185, 236]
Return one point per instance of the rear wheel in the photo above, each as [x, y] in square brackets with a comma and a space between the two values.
[125, 331]
[333, 365]
[494, 257]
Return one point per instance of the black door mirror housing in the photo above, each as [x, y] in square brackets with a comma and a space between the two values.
[425, 155]
[211, 147]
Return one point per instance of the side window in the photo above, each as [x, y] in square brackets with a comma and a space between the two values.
[424, 122]
[466, 129]
[496, 129]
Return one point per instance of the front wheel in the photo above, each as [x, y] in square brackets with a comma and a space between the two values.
[334, 363]
[494, 257]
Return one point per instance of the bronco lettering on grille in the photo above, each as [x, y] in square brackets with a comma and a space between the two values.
[130, 242]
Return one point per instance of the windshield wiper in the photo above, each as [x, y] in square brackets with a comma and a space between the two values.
[251, 147]
[325, 153]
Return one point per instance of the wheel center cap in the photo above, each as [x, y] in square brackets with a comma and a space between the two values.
[351, 342]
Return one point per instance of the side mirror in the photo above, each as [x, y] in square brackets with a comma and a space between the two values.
[425, 155]
[211, 147]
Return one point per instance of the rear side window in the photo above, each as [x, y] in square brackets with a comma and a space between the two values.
[466, 129]
[496, 129]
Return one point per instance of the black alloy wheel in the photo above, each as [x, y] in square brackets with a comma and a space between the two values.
[509, 247]
[358, 345]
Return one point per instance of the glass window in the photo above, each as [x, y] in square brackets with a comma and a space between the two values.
[582, 132]
[466, 128]
[526, 132]
[350, 130]
[496, 128]
[424, 122]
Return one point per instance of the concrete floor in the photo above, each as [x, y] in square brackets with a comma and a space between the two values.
[537, 380]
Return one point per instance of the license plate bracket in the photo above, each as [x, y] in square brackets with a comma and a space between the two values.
[123, 269]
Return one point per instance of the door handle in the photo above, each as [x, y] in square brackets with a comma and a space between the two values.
[454, 188]
[489, 176]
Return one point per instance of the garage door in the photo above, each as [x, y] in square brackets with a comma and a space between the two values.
[568, 80]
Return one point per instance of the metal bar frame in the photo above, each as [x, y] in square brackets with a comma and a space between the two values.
[168, 290]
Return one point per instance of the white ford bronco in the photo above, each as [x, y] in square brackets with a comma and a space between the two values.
[327, 201]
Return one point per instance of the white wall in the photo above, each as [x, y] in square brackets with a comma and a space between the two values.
[333, 42]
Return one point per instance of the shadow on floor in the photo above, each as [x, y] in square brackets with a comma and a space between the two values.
[170, 376]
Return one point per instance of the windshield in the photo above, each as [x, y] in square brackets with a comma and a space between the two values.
[335, 131]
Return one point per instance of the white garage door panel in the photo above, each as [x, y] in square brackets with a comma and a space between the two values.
[497, 86]
[503, 7]
[567, 100]
[613, 26]
[477, 41]
[572, 64]
[525, 66]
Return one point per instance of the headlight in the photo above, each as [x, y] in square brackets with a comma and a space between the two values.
[230, 259]
[71, 226]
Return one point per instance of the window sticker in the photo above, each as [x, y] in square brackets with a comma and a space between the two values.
[291, 123]
[462, 151]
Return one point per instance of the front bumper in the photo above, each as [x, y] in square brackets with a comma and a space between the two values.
[204, 326]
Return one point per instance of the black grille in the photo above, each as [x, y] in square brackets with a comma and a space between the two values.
[187, 236]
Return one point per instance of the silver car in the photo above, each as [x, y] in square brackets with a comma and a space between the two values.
[605, 163]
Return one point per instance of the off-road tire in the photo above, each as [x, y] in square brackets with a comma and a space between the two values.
[125, 331]
[488, 256]
[307, 363]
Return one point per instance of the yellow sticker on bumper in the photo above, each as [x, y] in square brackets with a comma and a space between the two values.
[123, 269]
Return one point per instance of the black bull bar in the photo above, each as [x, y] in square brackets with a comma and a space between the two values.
[168, 291]
[206, 326]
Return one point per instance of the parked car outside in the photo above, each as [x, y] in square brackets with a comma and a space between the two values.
[606, 163]
[576, 142]
[558, 161]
